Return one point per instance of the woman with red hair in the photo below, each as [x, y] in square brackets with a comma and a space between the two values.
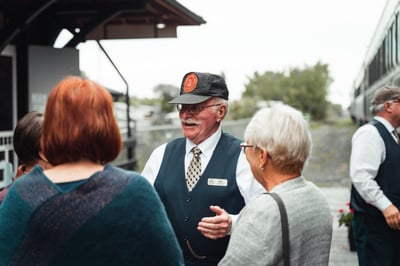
[83, 210]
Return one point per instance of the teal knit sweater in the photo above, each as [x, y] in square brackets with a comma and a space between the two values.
[115, 218]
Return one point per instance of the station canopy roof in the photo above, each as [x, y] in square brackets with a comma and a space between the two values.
[40, 22]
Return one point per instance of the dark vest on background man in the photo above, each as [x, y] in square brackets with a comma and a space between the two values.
[388, 176]
[217, 186]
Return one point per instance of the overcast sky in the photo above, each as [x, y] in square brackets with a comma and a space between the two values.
[242, 37]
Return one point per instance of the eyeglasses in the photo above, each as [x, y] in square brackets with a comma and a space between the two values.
[244, 146]
[396, 100]
[194, 109]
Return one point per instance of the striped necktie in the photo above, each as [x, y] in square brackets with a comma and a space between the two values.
[396, 134]
[194, 169]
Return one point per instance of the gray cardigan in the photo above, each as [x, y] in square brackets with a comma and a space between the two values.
[257, 239]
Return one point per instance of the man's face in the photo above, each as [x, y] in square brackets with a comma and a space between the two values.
[396, 111]
[392, 108]
[200, 121]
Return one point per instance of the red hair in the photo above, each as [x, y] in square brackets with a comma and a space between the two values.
[79, 123]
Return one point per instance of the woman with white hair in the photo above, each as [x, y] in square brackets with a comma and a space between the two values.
[278, 143]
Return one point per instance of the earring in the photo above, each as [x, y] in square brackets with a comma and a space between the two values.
[261, 167]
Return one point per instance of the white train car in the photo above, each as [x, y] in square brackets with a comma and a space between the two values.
[381, 65]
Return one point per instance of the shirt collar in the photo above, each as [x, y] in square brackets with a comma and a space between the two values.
[386, 123]
[207, 146]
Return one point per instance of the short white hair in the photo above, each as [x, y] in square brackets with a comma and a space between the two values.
[284, 133]
[376, 108]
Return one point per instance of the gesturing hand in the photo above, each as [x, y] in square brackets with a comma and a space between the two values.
[217, 226]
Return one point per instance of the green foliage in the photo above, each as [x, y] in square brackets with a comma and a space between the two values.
[266, 86]
[244, 108]
[143, 101]
[336, 109]
[83, 74]
[305, 89]
[166, 93]
[345, 217]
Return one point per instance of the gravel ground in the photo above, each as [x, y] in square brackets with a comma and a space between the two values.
[329, 162]
[328, 168]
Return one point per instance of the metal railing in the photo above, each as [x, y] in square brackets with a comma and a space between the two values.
[7, 157]
[6, 145]
[126, 159]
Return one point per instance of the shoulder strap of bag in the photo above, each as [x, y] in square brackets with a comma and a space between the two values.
[285, 228]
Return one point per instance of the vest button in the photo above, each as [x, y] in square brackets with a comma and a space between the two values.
[188, 199]
[186, 218]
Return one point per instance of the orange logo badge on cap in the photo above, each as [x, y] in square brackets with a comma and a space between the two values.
[190, 82]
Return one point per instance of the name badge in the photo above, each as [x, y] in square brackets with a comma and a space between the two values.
[217, 182]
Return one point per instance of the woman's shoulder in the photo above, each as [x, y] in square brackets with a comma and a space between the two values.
[30, 179]
[115, 170]
[3, 192]
[132, 177]
[262, 205]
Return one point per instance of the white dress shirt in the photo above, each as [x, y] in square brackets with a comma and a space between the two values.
[367, 154]
[248, 186]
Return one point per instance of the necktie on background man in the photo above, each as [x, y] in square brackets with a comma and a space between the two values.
[396, 134]
[194, 169]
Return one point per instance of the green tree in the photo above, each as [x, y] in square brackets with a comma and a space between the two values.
[308, 88]
[266, 86]
[305, 89]
[166, 93]
[144, 101]
[244, 108]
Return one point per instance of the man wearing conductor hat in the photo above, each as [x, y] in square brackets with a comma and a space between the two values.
[202, 178]
[375, 176]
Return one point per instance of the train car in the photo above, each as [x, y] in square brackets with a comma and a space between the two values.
[381, 65]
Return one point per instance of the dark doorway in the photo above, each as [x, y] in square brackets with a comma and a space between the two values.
[6, 99]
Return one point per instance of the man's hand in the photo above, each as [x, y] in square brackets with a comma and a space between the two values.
[217, 226]
[392, 216]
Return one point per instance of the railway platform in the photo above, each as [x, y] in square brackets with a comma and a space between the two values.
[340, 251]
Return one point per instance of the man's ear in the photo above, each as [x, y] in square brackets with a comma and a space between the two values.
[222, 110]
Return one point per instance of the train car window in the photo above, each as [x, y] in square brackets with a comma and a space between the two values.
[357, 91]
[382, 63]
[394, 41]
[388, 54]
[398, 36]
[392, 46]
[389, 50]
[384, 57]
